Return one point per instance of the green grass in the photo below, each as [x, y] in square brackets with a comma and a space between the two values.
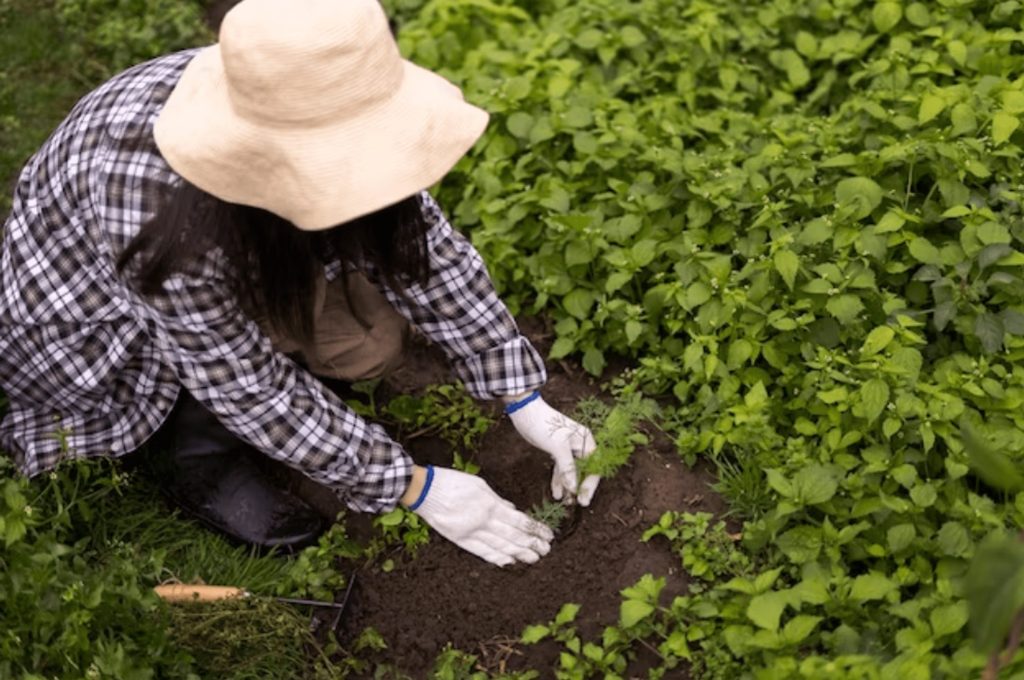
[82, 548]
[36, 88]
[54, 51]
[189, 553]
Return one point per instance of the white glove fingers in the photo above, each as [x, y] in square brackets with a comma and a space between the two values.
[587, 489]
[486, 552]
[516, 541]
[556, 485]
[521, 523]
[523, 553]
[588, 446]
[563, 479]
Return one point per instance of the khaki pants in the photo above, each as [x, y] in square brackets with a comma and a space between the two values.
[342, 348]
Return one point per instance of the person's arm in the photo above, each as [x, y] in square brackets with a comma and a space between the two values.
[229, 365]
[415, 488]
[459, 310]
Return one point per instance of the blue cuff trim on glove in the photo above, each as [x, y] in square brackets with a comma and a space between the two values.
[426, 488]
[516, 405]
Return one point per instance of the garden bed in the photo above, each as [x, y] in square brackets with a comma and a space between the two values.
[447, 596]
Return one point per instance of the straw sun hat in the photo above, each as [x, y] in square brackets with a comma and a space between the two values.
[306, 109]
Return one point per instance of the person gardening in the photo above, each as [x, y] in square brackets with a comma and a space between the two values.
[207, 232]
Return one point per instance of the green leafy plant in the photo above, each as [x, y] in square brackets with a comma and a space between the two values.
[399, 529]
[742, 483]
[802, 221]
[643, 623]
[552, 513]
[315, 572]
[615, 430]
[70, 604]
[111, 35]
[447, 411]
[707, 550]
[82, 548]
[453, 664]
[54, 52]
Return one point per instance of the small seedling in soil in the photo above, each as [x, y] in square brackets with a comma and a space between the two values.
[551, 513]
[399, 529]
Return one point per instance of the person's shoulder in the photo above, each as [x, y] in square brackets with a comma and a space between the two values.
[430, 207]
[149, 83]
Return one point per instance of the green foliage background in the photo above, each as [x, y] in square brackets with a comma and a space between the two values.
[802, 219]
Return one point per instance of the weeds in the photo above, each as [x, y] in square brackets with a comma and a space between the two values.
[84, 545]
[249, 639]
[707, 550]
[398, 529]
[742, 483]
[446, 411]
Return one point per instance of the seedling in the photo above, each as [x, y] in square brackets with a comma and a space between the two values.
[397, 530]
[552, 513]
[615, 430]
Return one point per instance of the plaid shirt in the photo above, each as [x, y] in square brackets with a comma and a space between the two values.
[90, 367]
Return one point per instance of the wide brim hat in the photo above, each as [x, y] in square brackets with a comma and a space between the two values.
[306, 108]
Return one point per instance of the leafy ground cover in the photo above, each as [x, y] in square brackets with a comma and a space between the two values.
[803, 220]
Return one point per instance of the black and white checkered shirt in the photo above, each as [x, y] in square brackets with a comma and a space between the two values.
[92, 368]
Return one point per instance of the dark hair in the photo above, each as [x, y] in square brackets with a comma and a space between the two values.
[275, 264]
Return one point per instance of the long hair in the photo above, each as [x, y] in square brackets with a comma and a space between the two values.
[274, 264]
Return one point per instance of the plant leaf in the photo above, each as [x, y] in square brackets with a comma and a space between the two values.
[766, 609]
[994, 587]
[814, 484]
[874, 395]
[949, 618]
[861, 194]
[871, 586]
[632, 612]
[877, 340]
[991, 465]
[931, 106]
[989, 329]
[787, 264]
[885, 15]
[1003, 125]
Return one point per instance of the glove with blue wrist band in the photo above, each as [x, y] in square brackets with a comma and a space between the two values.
[564, 439]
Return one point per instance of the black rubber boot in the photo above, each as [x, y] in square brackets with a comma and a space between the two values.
[215, 477]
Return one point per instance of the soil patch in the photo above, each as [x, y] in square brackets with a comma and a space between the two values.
[446, 595]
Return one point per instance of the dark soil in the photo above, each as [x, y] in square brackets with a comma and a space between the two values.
[446, 595]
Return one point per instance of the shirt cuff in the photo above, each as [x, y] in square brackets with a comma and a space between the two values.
[387, 474]
[513, 367]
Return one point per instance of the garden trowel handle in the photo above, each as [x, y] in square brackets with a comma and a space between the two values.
[183, 592]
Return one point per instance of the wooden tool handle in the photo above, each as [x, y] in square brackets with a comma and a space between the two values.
[183, 592]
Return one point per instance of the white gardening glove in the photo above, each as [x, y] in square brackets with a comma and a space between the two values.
[563, 438]
[465, 510]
